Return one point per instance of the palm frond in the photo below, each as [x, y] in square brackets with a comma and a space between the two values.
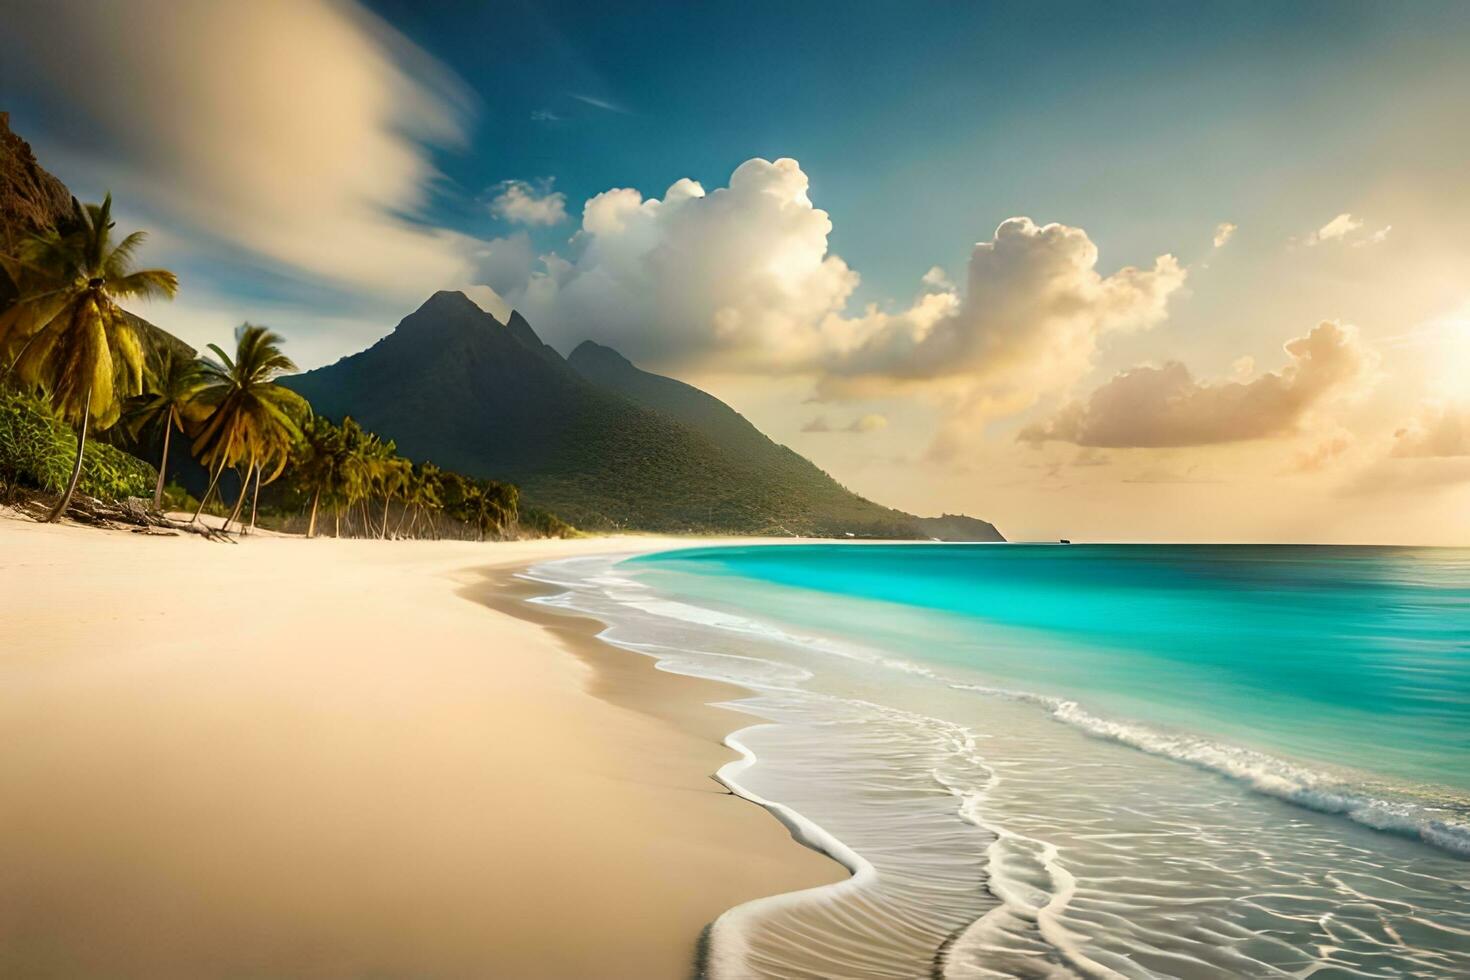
[145, 284]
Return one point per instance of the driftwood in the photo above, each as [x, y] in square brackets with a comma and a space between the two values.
[134, 512]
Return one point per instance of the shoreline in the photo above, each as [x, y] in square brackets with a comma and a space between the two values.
[336, 758]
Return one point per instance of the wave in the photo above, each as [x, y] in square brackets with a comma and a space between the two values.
[1022, 883]
[1262, 773]
[728, 949]
[1426, 821]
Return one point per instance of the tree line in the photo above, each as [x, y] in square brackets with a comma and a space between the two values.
[66, 339]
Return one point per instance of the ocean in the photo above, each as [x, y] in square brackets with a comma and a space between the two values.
[1086, 760]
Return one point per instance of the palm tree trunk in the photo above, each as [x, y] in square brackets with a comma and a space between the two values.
[219, 471]
[162, 466]
[337, 517]
[316, 498]
[255, 497]
[387, 498]
[76, 470]
[240, 500]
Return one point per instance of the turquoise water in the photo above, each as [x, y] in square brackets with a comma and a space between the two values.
[1357, 657]
[1086, 761]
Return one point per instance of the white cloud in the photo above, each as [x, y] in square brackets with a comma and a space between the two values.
[740, 280]
[291, 129]
[739, 277]
[936, 278]
[1339, 227]
[1032, 316]
[1166, 406]
[1224, 231]
[1348, 229]
[526, 204]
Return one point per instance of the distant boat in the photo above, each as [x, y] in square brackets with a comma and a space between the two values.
[1066, 540]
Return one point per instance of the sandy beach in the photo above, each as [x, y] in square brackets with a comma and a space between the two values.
[350, 759]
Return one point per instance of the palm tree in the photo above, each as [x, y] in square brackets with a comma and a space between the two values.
[168, 403]
[424, 492]
[488, 505]
[65, 333]
[254, 421]
[392, 477]
[320, 465]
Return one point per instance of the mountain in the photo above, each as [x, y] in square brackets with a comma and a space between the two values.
[595, 439]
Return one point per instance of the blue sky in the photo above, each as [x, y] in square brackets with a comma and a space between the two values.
[924, 125]
[1239, 308]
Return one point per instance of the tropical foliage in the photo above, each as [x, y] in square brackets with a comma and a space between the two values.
[361, 480]
[167, 405]
[73, 362]
[66, 336]
[251, 419]
[37, 450]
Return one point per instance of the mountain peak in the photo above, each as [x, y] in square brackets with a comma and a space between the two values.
[520, 329]
[450, 300]
[591, 354]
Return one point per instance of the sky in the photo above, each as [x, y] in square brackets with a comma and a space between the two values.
[1098, 271]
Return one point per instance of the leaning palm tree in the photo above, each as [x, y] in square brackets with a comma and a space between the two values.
[65, 333]
[168, 403]
[319, 466]
[253, 420]
[424, 493]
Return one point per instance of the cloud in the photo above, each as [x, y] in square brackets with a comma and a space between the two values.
[860, 425]
[1339, 227]
[1345, 228]
[292, 129]
[488, 300]
[936, 278]
[1377, 238]
[739, 277]
[1224, 231]
[740, 280]
[1165, 406]
[1440, 430]
[1032, 315]
[604, 104]
[1431, 453]
[523, 203]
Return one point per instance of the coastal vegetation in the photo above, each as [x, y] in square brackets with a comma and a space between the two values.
[75, 365]
[65, 335]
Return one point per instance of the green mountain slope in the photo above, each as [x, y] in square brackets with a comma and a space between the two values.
[453, 385]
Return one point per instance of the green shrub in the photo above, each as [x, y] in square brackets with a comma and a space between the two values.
[37, 450]
[545, 524]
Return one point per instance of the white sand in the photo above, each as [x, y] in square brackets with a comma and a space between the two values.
[294, 758]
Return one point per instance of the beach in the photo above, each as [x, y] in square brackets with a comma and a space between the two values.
[351, 758]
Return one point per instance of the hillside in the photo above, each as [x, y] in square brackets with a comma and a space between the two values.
[735, 435]
[618, 448]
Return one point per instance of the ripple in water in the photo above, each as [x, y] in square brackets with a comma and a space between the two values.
[987, 840]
